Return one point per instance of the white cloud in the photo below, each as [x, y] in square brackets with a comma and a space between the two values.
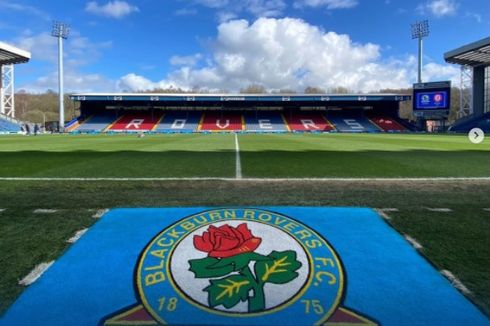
[74, 81]
[24, 9]
[439, 8]
[77, 48]
[133, 82]
[289, 54]
[190, 60]
[42, 46]
[477, 17]
[228, 9]
[213, 3]
[329, 4]
[79, 52]
[434, 71]
[113, 9]
[185, 12]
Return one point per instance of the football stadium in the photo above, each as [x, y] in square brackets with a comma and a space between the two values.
[248, 208]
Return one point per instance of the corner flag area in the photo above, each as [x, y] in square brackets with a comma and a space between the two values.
[267, 265]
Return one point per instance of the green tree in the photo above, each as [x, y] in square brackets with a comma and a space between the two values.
[253, 89]
[314, 90]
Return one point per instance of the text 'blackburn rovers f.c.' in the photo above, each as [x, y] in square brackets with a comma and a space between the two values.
[239, 266]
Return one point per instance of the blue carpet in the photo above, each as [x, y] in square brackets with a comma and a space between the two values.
[387, 281]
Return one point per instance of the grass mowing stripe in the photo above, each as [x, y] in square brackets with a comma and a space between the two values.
[261, 156]
[119, 156]
[248, 179]
[361, 155]
[238, 168]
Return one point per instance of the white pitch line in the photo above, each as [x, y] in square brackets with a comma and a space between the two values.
[439, 210]
[238, 167]
[2, 210]
[45, 211]
[486, 209]
[388, 209]
[35, 273]
[413, 242]
[242, 179]
[455, 282]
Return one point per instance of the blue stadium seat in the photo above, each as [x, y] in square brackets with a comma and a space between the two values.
[7, 126]
[264, 121]
[97, 123]
[351, 121]
[173, 121]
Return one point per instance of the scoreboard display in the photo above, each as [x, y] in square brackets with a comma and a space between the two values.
[432, 100]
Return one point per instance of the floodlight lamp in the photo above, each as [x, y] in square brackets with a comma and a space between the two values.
[420, 29]
[60, 29]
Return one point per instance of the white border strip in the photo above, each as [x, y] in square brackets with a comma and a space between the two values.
[243, 179]
[100, 212]
[382, 214]
[77, 236]
[35, 274]
[455, 281]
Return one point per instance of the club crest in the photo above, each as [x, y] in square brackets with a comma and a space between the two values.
[238, 266]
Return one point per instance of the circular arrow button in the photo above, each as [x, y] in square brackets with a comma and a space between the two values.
[476, 135]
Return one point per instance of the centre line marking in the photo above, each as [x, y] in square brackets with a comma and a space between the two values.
[238, 167]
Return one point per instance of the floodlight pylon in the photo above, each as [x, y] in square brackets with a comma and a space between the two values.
[60, 31]
[420, 30]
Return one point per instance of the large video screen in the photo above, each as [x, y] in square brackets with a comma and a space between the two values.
[432, 100]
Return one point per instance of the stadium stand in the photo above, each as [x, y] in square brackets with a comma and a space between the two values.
[387, 123]
[176, 112]
[264, 121]
[482, 122]
[308, 121]
[345, 120]
[179, 121]
[351, 121]
[8, 125]
[136, 121]
[221, 121]
[73, 124]
[96, 123]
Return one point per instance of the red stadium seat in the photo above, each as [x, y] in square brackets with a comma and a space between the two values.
[221, 121]
[308, 121]
[136, 122]
[388, 124]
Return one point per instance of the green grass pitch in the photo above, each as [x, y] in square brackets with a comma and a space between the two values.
[262, 156]
[458, 241]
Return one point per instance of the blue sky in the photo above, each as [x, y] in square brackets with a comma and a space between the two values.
[132, 45]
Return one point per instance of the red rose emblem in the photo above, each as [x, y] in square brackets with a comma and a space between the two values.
[226, 241]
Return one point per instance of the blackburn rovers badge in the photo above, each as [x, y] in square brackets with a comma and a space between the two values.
[239, 266]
